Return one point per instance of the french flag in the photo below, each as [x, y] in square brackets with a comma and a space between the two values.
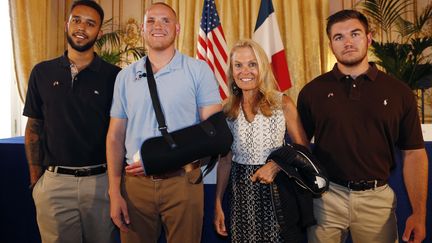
[267, 34]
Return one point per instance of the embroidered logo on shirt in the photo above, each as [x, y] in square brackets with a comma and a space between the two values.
[139, 75]
[330, 95]
[56, 83]
[385, 102]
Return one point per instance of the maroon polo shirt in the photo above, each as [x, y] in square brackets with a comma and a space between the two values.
[357, 123]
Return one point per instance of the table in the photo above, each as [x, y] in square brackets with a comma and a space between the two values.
[18, 212]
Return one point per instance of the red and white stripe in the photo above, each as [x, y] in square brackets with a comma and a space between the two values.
[212, 48]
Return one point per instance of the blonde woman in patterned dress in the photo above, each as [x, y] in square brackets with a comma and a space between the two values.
[258, 116]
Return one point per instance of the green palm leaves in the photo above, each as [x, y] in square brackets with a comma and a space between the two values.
[404, 56]
[120, 45]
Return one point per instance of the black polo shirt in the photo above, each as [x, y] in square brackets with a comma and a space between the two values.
[357, 123]
[75, 112]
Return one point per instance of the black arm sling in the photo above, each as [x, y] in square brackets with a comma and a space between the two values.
[171, 151]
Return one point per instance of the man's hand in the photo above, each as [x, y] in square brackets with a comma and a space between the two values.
[33, 148]
[266, 173]
[135, 169]
[115, 150]
[35, 174]
[119, 212]
[415, 230]
[415, 174]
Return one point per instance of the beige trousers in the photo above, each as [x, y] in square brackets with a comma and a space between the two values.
[176, 204]
[369, 216]
[73, 209]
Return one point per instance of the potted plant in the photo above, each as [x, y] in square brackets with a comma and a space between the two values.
[406, 55]
[120, 45]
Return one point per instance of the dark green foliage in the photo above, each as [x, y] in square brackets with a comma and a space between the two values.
[406, 58]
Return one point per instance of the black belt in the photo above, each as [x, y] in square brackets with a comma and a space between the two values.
[361, 185]
[78, 172]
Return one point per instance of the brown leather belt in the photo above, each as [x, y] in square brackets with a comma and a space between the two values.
[180, 172]
[78, 172]
[361, 185]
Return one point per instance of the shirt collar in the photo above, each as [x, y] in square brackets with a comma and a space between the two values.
[174, 64]
[371, 74]
[94, 65]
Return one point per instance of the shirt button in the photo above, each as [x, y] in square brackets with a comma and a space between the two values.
[354, 85]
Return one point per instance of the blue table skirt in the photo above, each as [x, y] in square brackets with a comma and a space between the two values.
[18, 213]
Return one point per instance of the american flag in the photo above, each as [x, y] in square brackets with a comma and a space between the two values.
[212, 46]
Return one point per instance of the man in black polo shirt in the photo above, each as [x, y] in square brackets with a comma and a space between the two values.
[357, 115]
[67, 106]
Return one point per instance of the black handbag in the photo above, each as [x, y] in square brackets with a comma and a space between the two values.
[171, 151]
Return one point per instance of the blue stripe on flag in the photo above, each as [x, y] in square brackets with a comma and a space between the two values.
[266, 8]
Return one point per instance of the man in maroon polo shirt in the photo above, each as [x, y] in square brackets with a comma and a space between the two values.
[358, 115]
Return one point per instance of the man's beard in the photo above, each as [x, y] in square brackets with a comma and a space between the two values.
[78, 48]
[353, 62]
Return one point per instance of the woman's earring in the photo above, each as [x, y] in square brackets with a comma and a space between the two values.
[235, 89]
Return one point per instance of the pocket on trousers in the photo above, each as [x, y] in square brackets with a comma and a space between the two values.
[37, 188]
[386, 195]
[194, 176]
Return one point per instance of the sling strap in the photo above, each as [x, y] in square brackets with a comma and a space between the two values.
[157, 106]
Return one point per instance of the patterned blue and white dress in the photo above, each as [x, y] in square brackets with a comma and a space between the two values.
[252, 217]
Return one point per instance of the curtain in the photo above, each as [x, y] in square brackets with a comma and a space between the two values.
[37, 34]
[38, 30]
[302, 24]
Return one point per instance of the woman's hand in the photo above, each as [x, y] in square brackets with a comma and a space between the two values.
[266, 173]
[219, 220]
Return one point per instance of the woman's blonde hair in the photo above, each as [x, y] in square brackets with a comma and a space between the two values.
[267, 99]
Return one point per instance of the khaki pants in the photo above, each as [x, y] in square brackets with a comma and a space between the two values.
[177, 204]
[73, 209]
[368, 215]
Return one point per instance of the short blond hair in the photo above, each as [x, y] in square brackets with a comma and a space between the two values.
[163, 4]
